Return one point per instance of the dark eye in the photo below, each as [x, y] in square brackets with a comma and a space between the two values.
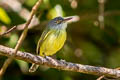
[58, 21]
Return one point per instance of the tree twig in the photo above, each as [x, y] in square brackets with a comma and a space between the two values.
[60, 64]
[100, 78]
[18, 8]
[101, 13]
[22, 37]
[8, 31]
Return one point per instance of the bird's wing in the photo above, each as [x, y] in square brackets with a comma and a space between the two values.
[42, 38]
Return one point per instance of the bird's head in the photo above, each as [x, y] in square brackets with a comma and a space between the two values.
[59, 23]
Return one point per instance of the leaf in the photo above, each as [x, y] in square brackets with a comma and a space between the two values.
[30, 3]
[13, 40]
[56, 11]
[4, 17]
[23, 65]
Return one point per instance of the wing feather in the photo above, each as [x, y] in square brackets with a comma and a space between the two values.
[42, 38]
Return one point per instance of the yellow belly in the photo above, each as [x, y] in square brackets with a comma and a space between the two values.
[53, 43]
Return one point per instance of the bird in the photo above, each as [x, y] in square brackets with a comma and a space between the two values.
[52, 38]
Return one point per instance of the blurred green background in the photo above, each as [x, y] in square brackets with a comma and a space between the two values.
[87, 42]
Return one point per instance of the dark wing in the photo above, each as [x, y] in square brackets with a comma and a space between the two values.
[42, 38]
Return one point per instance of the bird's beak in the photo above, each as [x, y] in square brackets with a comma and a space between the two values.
[67, 19]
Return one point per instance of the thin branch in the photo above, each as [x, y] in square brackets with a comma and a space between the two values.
[8, 31]
[60, 64]
[18, 8]
[100, 78]
[101, 13]
[22, 37]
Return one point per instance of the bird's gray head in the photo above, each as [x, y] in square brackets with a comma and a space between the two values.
[58, 23]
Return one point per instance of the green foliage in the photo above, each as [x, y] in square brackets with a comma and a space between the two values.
[4, 17]
[86, 42]
[12, 40]
[30, 3]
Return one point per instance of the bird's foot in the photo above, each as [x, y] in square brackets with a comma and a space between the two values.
[46, 57]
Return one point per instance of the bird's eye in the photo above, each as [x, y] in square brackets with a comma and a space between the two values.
[58, 21]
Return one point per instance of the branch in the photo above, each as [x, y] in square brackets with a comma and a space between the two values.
[101, 13]
[60, 64]
[8, 31]
[21, 39]
[18, 8]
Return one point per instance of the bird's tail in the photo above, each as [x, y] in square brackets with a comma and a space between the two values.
[33, 68]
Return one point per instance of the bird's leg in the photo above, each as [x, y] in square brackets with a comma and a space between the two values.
[45, 56]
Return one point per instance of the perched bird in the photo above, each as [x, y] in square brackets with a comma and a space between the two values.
[52, 39]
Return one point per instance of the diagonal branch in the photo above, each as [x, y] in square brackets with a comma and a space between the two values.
[21, 39]
[8, 31]
[60, 64]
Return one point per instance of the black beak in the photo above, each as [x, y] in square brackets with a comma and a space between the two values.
[67, 19]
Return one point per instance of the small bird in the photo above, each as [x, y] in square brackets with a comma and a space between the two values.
[52, 39]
